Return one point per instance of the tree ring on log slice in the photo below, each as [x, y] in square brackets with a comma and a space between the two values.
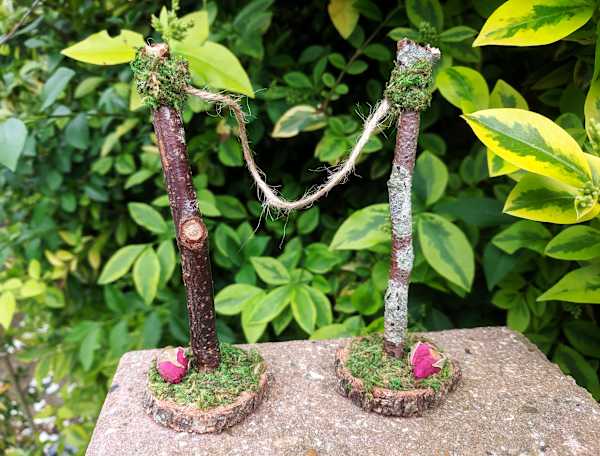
[392, 402]
[189, 418]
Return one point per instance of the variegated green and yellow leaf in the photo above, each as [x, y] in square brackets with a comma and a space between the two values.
[344, 16]
[365, 228]
[523, 234]
[506, 96]
[575, 243]
[464, 87]
[497, 166]
[297, 119]
[581, 285]
[446, 249]
[503, 96]
[592, 113]
[594, 163]
[534, 22]
[545, 200]
[531, 142]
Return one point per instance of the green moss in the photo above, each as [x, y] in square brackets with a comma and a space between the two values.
[368, 361]
[161, 81]
[410, 88]
[240, 371]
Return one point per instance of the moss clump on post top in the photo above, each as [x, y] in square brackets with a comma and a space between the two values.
[160, 78]
[410, 87]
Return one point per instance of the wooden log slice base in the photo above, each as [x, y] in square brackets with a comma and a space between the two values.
[185, 418]
[386, 401]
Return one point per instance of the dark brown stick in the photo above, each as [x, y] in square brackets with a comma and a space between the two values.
[400, 189]
[192, 236]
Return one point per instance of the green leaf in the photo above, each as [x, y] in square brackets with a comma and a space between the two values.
[151, 331]
[308, 220]
[207, 204]
[523, 234]
[572, 363]
[532, 142]
[77, 133]
[145, 215]
[365, 228]
[102, 49]
[446, 249]
[87, 86]
[118, 265]
[366, 300]
[270, 270]
[197, 34]
[230, 207]
[506, 96]
[534, 22]
[592, 111]
[430, 11]
[344, 16]
[297, 119]
[89, 345]
[304, 309]
[335, 331]
[214, 65]
[232, 299]
[320, 259]
[457, 34]
[13, 134]
[430, 178]
[322, 306]
[55, 85]
[584, 336]
[119, 339]
[463, 87]
[518, 316]
[271, 305]
[252, 330]
[497, 265]
[575, 243]
[146, 274]
[545, 200]
[167, 260]
[8, 306]
[581, 285]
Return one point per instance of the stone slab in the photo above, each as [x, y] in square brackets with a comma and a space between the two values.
[511, 401]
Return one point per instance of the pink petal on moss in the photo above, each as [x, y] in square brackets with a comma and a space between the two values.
[170, 372]
[425, 360]
[181, 358]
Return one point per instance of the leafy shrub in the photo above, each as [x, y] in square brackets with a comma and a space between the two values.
[90, 269]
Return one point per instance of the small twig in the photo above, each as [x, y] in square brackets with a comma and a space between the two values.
[20, 393]
[16, 27]
[269, 194]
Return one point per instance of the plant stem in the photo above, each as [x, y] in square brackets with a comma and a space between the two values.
[399, 190]
[12, 374]
[192, 236]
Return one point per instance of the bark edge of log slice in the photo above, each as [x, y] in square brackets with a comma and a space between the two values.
[185, 418]
[403, 403]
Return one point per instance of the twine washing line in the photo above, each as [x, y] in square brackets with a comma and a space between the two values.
[269, 195]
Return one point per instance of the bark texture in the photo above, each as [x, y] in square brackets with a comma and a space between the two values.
[391, 402]
[400, 190]
[191, 419]
[192, 237]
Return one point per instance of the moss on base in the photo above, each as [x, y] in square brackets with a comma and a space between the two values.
[368, 362]
[239, 371]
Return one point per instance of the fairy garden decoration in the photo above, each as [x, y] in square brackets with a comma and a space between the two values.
[210, 386]
[395, 373]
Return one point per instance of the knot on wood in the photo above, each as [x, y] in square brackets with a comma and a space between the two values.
[160, 79]
[192, 233]
[411, 82]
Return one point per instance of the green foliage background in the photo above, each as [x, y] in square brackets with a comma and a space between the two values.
[88, 183]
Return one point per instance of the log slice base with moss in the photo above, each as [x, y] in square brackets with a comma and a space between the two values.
[385, 385]
[211, 401]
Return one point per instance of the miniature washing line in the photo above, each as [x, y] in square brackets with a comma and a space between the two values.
[408, 89]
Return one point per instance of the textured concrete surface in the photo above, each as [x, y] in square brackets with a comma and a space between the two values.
[512, 401]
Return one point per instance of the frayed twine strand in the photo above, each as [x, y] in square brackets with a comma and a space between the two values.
[268, 194]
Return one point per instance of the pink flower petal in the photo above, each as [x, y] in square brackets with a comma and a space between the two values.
[425, 360]
[172, 364]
